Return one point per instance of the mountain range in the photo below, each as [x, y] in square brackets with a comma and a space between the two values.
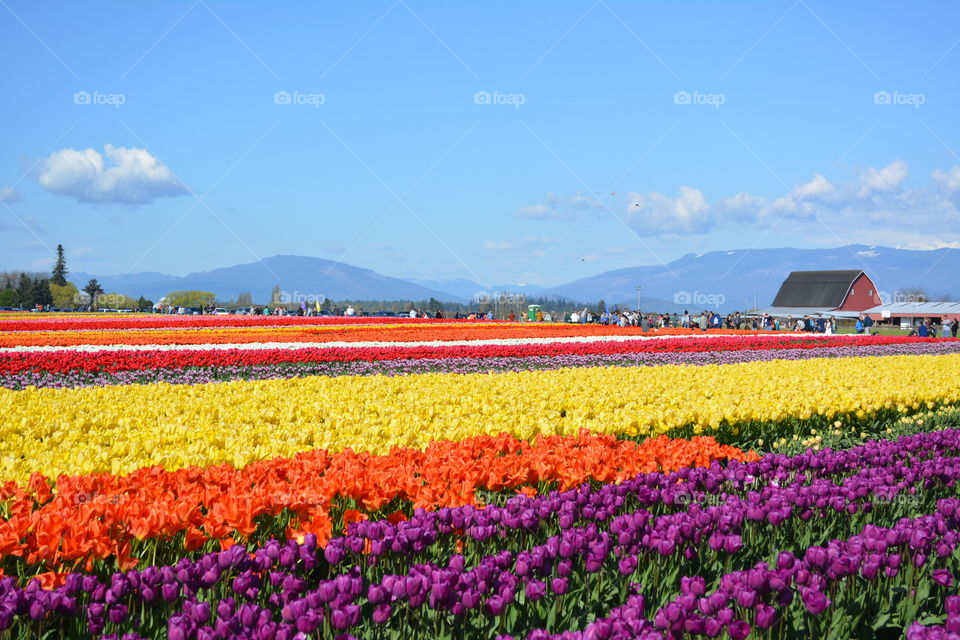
[722, 280]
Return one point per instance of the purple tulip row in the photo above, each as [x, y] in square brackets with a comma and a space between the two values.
[286, 578]
[948, 631]
[865, 491]
[202, 375]
[630, 537]
[870, 476]
[762, 592]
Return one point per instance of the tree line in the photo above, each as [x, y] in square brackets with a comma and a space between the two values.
[33, 289]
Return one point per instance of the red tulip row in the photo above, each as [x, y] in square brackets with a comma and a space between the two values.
[115, 361]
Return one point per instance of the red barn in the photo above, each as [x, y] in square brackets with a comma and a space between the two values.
[841, 291]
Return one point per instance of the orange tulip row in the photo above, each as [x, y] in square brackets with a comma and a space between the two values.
[83, 519]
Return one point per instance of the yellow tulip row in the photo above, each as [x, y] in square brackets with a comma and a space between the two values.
[121, 428]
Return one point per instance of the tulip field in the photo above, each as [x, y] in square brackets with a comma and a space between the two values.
[281, 478]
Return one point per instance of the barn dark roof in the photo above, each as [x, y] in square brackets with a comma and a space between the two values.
[815, 289]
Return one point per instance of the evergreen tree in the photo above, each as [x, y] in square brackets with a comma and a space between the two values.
[59, 275]
[41, 292]
[143, 303]
[93, 289]
[25, 291]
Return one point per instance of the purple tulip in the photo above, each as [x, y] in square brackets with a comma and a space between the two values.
[942, 577]
[738, 630]
[815, 601]
[535, 590]
[766, 616]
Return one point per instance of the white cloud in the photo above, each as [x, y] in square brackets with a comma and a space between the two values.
[926, 245]
[80, 251]
[9, 194]
[799, 200]
[816, 188]
[888, 178]
[491, 245]
[122, 175]
[868, 254]
[872, 207]
[653, 213]
[557, 208]
[538, 241]
[948, 181]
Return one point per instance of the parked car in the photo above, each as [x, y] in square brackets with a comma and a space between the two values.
[220, 311]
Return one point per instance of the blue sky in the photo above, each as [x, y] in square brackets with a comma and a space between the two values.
[497, 141]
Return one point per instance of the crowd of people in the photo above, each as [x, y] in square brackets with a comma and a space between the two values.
[703, 321]
[928, 329]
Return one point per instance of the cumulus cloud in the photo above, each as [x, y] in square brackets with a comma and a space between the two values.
[492, 245]
[872, 206]
[653, 213]
[121, 175]
[948, 181]
[888, 178]
[9, 194]
[557, 208]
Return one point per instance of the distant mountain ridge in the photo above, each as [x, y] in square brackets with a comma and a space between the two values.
[300, 277]
[723, 280]
[742, 279]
